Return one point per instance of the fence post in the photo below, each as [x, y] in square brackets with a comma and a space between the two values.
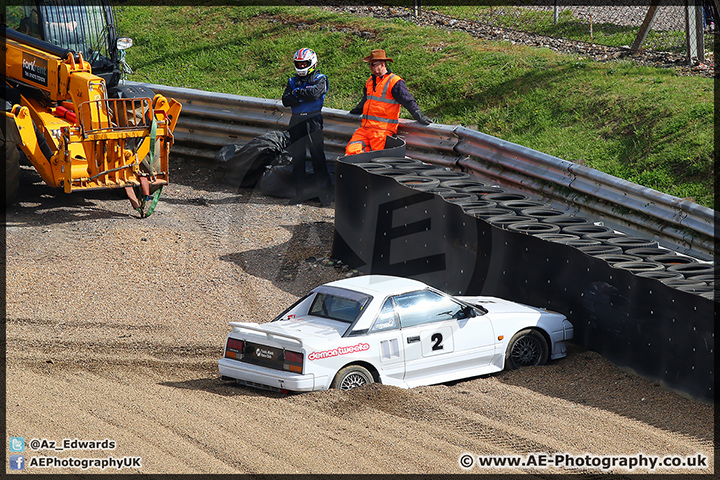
[694, 33]
[645, 27]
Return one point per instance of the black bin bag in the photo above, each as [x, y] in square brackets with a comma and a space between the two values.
[243, 165]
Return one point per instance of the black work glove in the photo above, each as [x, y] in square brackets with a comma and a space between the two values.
[355, 111]
[420, 118]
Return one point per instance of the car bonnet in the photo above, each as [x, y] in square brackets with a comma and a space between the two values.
[499, 305]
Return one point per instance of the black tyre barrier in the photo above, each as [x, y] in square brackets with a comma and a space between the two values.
[391, 172]
[661, 275]
[415, 168]
[619, 257]
[566, 221]
[629, 242]
[672, 259]
[396, 161]
[602, 249]
[690, 270]
[441, 174]
[418, 182]
[709, 279]
[461, 184]
[684, 282]
[582, 242]
[584, 230]
[557, 237]
[505, 220]
[458, 197]
[647, 252]
[604, 236]
[479, 203]
[505, 196]
[372, 166]
[486, 212]
[439, 190]
[696, 289]
[541, 212]
[637, 267]
[484, 190]
[519, 205]
[659, 332]
[709, 295]
[532, 228]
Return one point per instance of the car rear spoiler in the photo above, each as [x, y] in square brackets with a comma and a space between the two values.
[238, 326]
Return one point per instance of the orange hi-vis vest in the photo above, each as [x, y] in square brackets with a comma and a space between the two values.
[381, 110]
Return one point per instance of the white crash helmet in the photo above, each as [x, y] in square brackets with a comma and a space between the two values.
[305, 55]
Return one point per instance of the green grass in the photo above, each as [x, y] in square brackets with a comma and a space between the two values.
[647, 125]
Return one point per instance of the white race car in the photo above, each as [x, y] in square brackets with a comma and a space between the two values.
[393, 330]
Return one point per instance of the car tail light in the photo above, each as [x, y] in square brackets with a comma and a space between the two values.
[234, 348]
[293, 361]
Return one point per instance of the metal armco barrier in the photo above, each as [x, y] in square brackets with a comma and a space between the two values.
[212, 120]
[385, 227]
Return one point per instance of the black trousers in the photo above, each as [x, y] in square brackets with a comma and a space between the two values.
[307, 135]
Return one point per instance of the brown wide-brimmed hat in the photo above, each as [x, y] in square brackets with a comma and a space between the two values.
[377, 55]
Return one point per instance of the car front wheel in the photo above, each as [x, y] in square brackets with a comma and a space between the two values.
[526, 348]
[352, 377]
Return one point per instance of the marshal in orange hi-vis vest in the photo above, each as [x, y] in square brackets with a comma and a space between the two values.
[380, 116]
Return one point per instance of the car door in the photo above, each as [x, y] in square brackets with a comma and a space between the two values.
[386, 333]
[439, 338]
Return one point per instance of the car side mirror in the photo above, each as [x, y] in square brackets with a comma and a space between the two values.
[468, 311]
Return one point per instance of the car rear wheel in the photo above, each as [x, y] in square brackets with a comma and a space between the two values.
[527, 348]
[352, 377]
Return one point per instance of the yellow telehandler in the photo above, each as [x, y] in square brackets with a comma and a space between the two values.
[67, 114]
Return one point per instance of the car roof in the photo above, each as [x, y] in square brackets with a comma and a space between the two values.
[379, 285]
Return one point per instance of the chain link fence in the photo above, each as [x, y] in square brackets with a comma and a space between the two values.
[664, 25]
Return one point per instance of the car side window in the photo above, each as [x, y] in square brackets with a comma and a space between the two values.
[387, 318]
[426, 306]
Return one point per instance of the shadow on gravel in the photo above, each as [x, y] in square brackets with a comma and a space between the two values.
[284, 264]
[225, 388]
[38, 203]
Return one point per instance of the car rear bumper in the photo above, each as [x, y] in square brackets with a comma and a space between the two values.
[250, 374]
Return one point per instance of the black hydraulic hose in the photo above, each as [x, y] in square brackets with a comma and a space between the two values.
[42, 143]
[36, 43]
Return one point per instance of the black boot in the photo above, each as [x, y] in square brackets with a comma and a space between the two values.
[298, 198]
[327, 197]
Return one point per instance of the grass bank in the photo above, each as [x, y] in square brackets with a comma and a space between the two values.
[646, 125]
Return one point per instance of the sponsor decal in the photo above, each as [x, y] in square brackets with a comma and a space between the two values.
[262, 353]
[35, 69]
[360, 347]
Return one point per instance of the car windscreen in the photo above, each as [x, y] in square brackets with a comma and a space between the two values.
[338, 304]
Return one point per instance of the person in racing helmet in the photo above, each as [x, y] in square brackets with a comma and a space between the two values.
[305, 94]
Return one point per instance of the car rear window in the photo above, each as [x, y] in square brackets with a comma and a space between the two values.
[338, 305]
